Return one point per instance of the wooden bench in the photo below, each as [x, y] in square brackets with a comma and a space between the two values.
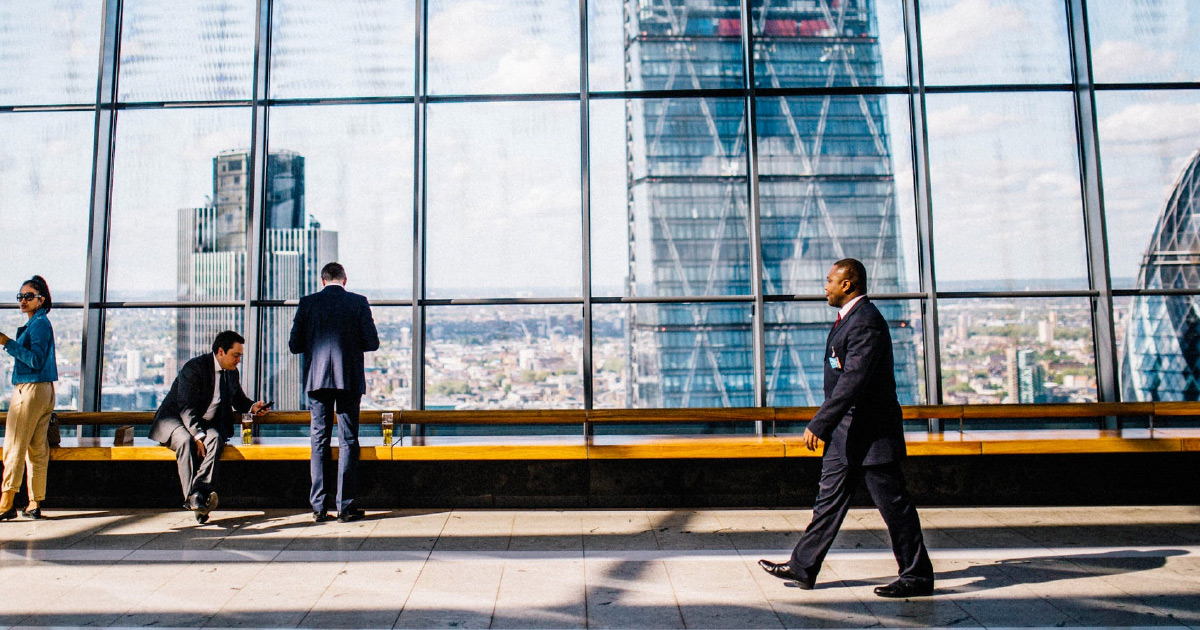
[586, 443]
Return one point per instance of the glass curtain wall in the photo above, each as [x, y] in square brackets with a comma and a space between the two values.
[611, 203]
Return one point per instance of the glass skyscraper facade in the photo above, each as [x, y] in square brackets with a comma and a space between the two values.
[608, 203]
[827, 192]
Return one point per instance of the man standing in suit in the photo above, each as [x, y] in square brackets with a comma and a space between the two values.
[332, 329]
[860, 424]
[196, 418]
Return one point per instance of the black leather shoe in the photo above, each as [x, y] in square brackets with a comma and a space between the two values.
[906, 588]
[783, 572]
[195, 502]
[211, 503]
[34, 515]
[351, 515]
[320, 517]
[9, 515]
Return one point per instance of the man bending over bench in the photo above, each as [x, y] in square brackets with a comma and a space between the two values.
[196, 418]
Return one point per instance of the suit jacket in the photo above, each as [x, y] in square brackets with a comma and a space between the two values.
[190, 396]
[860, 420]
[332, 329]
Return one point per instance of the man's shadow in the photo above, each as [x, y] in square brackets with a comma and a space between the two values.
[1044, 569]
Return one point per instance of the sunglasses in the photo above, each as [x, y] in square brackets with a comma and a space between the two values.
[21, 297]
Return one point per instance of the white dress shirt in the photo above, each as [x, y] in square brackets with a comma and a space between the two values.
[842, 312]
[211, 412]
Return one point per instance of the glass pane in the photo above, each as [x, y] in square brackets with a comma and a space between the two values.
[665, 45]
[504, 357]
[971, 42]
[45, 192]
[186, 50]
[1007, 206]
[1144, 41]
[669, 197]
[1017, 351]
[1156, 340]
[68, 344]
[180, 205]
[341, 182]
[1149, 153]
[49, 52]
[815, 44]
[673, 355]
[350, 48]
[388, 370]
[796, 333]
[493, 46]
[145, 347]
[503, 201]
[836, 183]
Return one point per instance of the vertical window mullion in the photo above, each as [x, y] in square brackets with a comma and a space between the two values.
[1088, 142]
[92, 368]
[924, 207]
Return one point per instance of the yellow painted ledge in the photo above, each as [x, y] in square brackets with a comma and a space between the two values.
[489, 452]
[239, 452]
[683, 447]
[917, 444]
[1074, 441]
[690, 447]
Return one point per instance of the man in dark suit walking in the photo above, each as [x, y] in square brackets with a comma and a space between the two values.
[196, 418]
[860, 424]
[332, 329]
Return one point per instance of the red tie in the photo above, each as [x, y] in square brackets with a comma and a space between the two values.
[838, 320]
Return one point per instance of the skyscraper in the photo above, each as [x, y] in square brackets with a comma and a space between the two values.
[212, 263]
[826, 192]
[1162, 344]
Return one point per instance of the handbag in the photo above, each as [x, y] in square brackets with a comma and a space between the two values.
[53, 435]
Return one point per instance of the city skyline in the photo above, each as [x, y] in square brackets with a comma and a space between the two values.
[508, 179]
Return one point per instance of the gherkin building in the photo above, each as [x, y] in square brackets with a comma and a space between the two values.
[1162, 344]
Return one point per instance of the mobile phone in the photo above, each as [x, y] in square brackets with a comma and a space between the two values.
[267, 405]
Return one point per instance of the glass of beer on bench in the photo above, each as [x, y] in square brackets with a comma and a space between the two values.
[387, 428]
[247, 428]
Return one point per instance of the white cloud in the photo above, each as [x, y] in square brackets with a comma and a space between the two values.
[1145, 123]
[533, 66]
[465, 32]
[968, 26]
[481, 46]
[962, 120]
[1126, 60]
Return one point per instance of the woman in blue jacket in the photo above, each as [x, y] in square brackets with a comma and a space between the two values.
[34, 374]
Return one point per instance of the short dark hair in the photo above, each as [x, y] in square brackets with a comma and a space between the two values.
[854, 271]
[333, 271]
[225, 340]
[39, 284]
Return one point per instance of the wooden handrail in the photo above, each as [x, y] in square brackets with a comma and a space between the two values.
[675, 416]
[1060, 410]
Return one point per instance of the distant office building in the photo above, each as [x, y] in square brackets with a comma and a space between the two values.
[1031, 378]
[1162, 342]
[212, 264]
[826, 192]
[1045, 333]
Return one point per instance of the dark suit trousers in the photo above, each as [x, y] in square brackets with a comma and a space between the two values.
[325, 405]
[885, 483]
[196, 474]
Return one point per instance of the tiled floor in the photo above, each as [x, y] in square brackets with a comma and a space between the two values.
[997, 567]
